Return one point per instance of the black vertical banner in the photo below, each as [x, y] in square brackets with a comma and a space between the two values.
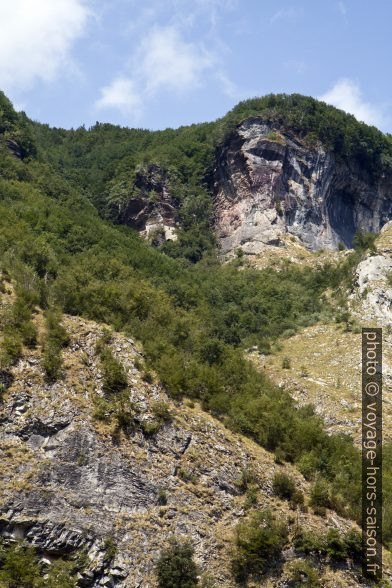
[372, 453]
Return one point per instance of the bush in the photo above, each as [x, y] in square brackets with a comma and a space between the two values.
[246, 479]
[114, 377]
[161, 411]
[52, 361]
[19, 568]
[283, 486]
[353, 543]
[176, 568]
[364, 241]
[56, 339]
[11, 350]
[286, 363]
[301, 573]
[308, 543]
[297, 500]
[258, 544]
[320, 494]
[334, 544]
[29, 334]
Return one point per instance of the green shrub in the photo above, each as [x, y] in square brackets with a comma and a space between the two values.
[333, 544]
[114, 377]
[29, 334]
[301, 573]
[11, 350]
[297, 500]
[55, 340]
[110, 547]
[187, 476]
[286, 363]
[353, 544]
[258, 544]
[308, 543]
[283, 486]
[176, 568]
[364, 241]
[161, 411]
[52, 361]
[162, 497]
[320, 494]
[19, 568]
[246, 479]
[151, 427]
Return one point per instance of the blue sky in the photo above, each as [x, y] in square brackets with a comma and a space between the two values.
[160, 63]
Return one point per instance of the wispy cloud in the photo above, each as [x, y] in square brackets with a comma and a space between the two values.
[36, 39]
[164, 62]
[170, 58]
[342, 8]
[346, 94]
[288, 13]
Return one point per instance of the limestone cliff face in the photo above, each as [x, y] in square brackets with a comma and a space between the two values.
[268, 182]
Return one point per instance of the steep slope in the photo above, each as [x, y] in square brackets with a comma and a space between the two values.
[73, 482]
[270, 182]
[324, 360]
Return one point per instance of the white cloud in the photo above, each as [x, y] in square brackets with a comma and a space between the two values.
[36, 37]
[122, 95]
[164, 62]
[346, 95]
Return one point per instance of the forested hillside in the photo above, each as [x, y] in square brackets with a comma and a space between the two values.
[63, 250]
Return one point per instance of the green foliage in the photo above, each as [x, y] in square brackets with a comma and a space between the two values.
[333, 544]
[283, 486]
[301, 573]
[161, 411]
[110, 547]
[258, 544]
[286, 363]
[19, 568]
[11, 349]
[246, 479]
[56, 339]
[176, 568]
[18, 328]
[320, 494]
[115, 378]
[364, 241]
[193, 316]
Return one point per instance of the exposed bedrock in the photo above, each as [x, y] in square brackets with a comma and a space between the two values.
[268, 182]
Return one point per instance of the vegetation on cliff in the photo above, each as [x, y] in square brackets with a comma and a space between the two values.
[193, 316]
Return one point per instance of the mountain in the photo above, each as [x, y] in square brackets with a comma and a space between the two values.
[149, 283]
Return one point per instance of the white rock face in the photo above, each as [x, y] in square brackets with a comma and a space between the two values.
[268, 183]
[374, 288]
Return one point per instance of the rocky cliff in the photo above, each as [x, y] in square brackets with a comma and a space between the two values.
[75, 483]
[269, 182]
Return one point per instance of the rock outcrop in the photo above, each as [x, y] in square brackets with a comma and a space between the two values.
[72, 483]
[268, 182]
[150, 207]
